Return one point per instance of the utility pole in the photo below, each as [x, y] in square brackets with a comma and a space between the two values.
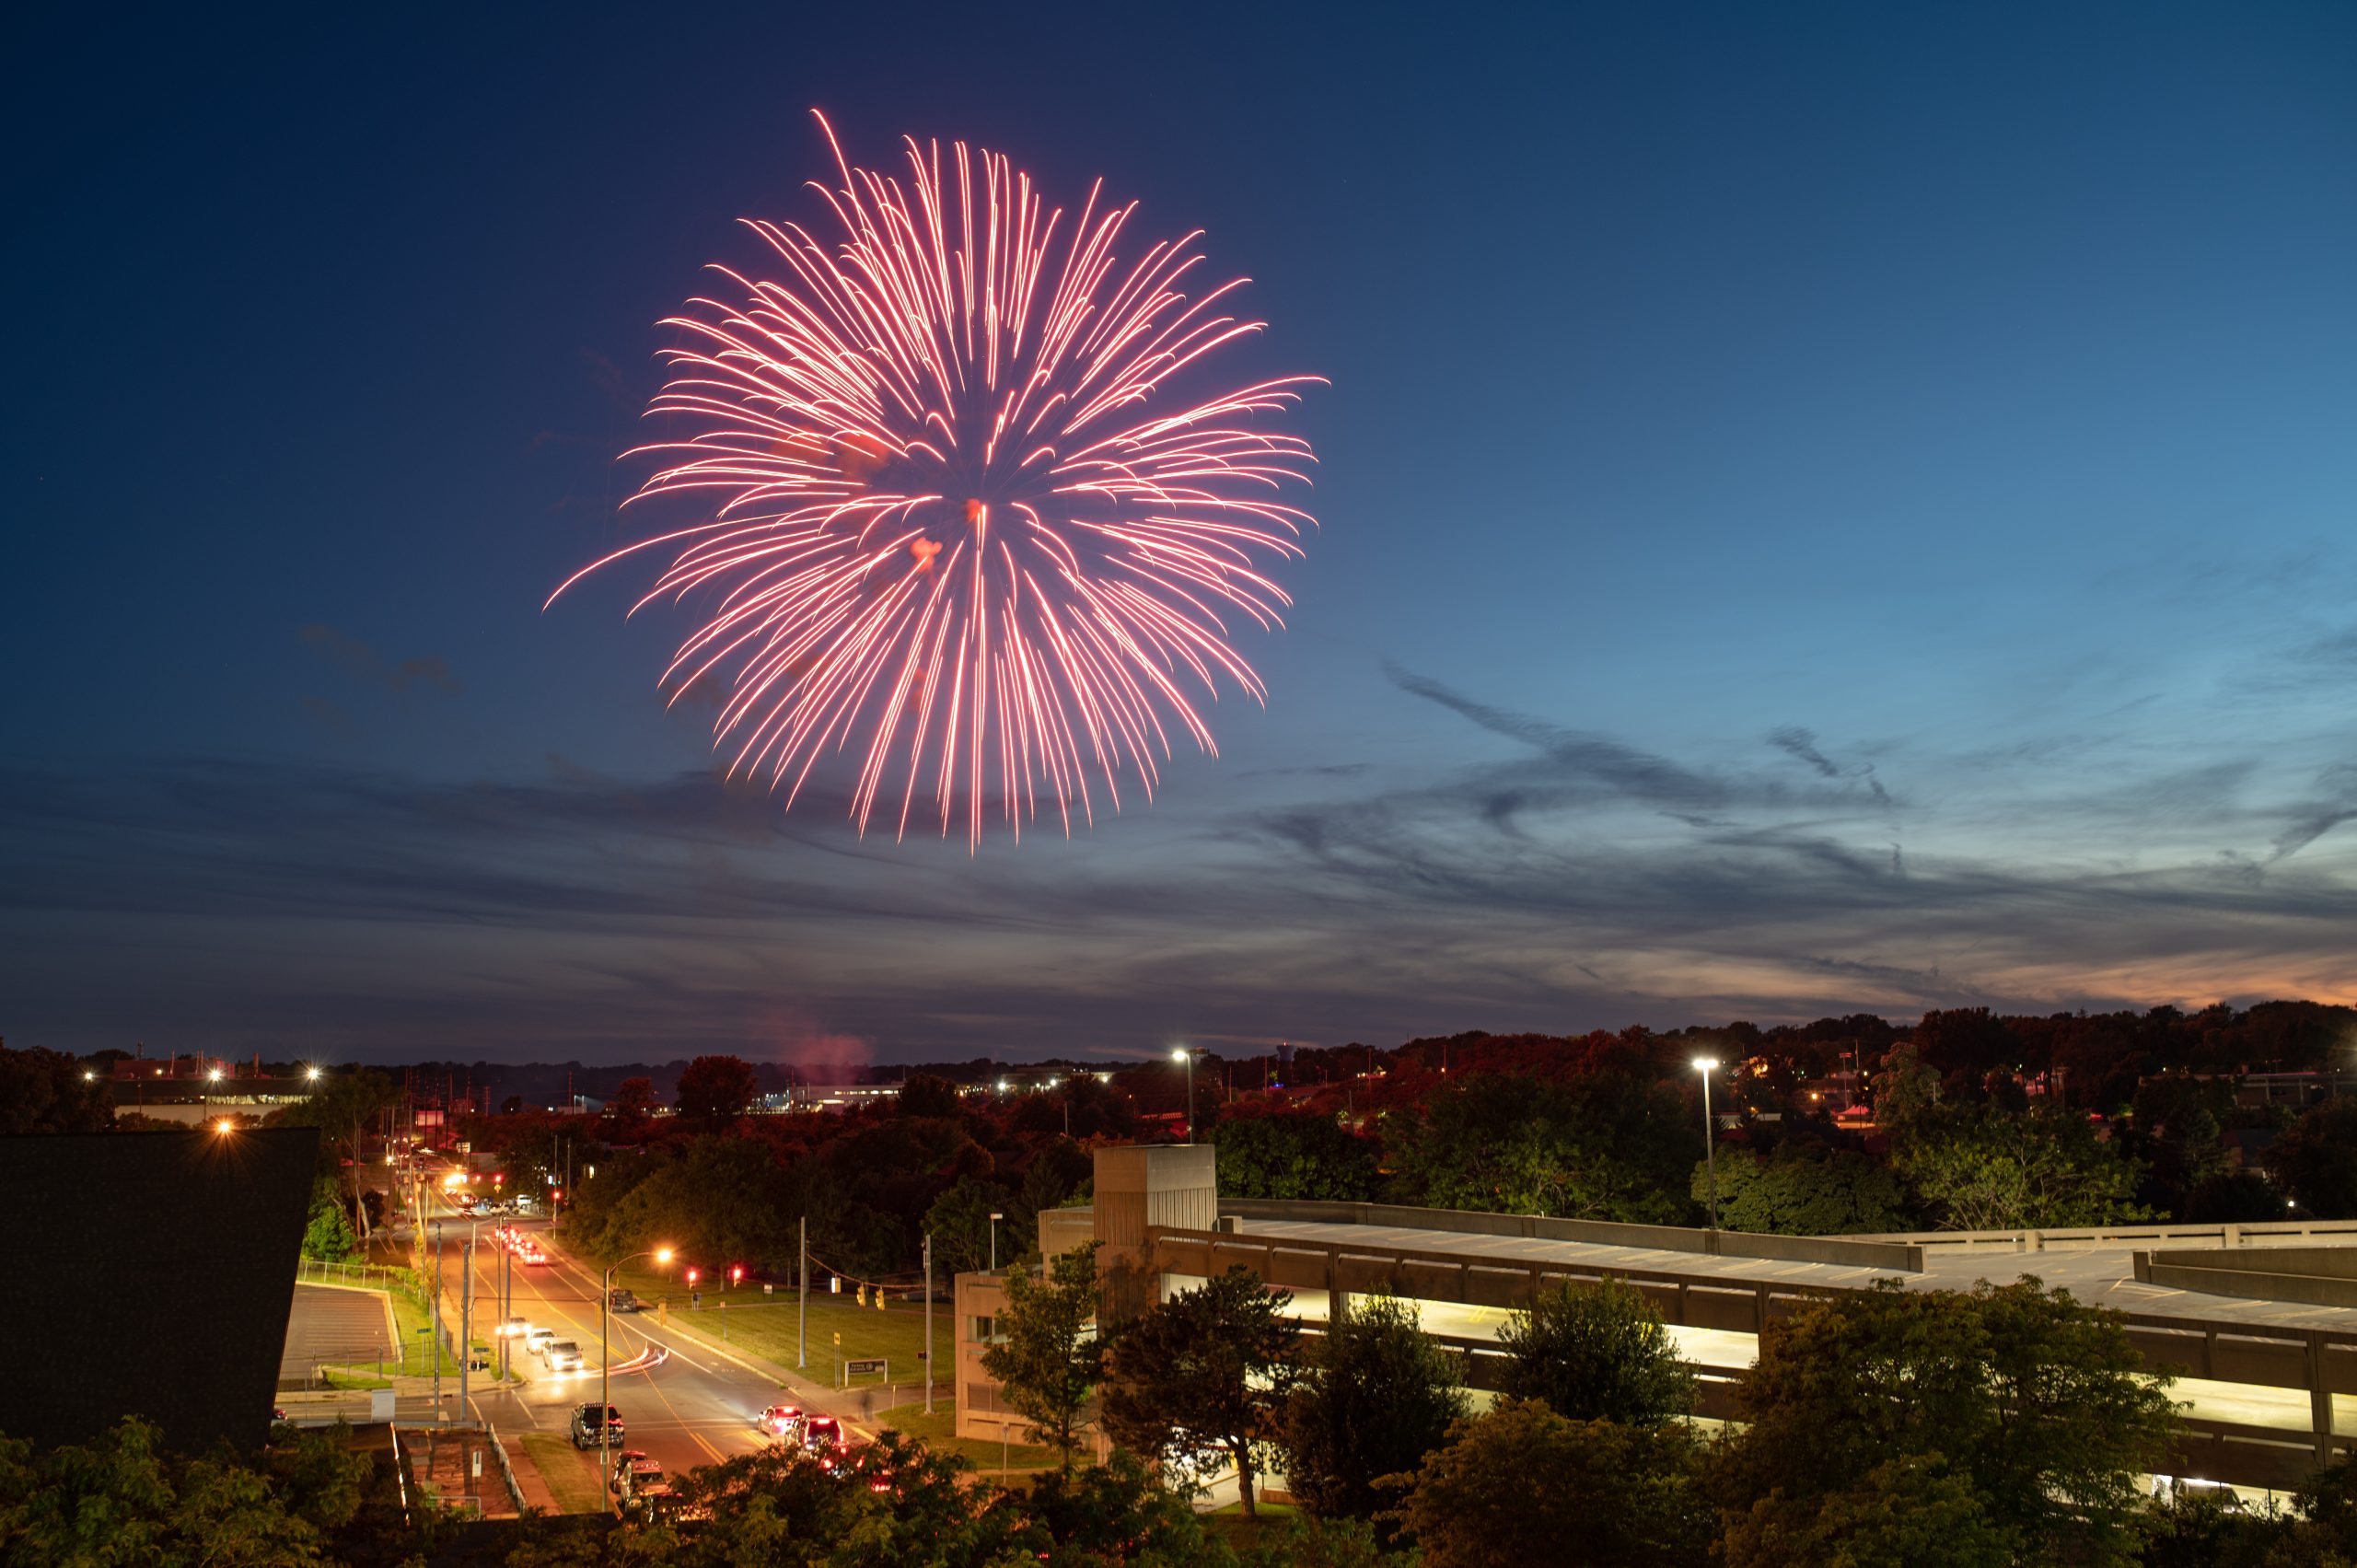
[435, 1342]
[466, 1317]
[928, 1318]
[802, 1312]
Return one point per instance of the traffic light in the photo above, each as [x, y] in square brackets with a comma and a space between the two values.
[737, 1274]
[692, 1277]
[863, 1296]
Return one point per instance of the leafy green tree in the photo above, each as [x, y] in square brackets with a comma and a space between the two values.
[1523, 1484]
[327, 1235]
[959, 1221]
[714, 1090]
[44, 1091]
[928, 1094]
[1904, 1513]
[1604, 1146]
[2317, 1160]
[1982, 1168]
[346, 1108]
[1376, 1396]
[1203, 1377]
[1314, 1542]
[1595, 1353]
[1806, 1190]
[1294, 1157]
[2039, 1403]
[1048, 1360]
[2202, 1528]
[892, 1503]
[1116, 1513]
[123, 1499]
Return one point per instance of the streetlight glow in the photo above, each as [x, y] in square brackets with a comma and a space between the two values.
[1705, 1065]
[312, 1073]
[221, 1126]
[663, 1255]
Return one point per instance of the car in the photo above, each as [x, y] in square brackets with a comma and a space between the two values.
[537, 1340]
[781, 1421]
[824, 1436]
[532, 1254]
[514, 1328]
[596, 1425]
[632, 1465]
[623, 1301]
[562, 1355]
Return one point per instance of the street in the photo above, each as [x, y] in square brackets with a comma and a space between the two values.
[694, 1406]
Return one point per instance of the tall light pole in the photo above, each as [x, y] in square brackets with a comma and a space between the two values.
[1706, 1065]
[995, 1217]
[605, 1377]
[1188, 1054]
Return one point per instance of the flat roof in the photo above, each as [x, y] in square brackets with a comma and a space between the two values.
[2101, 1274]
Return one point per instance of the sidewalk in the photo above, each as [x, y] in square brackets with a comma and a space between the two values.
[529, 1479]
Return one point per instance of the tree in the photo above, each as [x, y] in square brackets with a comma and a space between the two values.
[959, 1222]
[892, 1502]
[1524, 1484]
[1375, 1398]
[2037, 1403]
[327, 1235]
[1294, 1157]
[346, 1108]
[925, 1094]
[44, 1091]
[716, 1090]
[633, 1105]
[1047, 1360]
[123, 1499]
[1202, 1377]
[1981, 1169]
[1115, 1512]
[2317, 1160]
[1900, 1515]
[1595, 1353]
[1604, 1144]
[1806, 1190]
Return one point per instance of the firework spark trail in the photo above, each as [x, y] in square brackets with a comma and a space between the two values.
[951, 520]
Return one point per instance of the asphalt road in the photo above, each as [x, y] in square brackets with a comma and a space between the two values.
[694, 1408]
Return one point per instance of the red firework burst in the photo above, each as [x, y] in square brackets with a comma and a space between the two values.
[957, 527]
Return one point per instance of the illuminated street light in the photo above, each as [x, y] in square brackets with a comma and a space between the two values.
[222, 1125]
[1706, 1065]
[1188, 1054]
[312, 1073]
[662, 1255]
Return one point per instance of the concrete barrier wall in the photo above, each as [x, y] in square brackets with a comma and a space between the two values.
[1902, 1257]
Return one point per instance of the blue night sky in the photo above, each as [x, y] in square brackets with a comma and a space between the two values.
[1825, 510]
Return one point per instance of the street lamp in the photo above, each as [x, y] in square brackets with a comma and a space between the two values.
[311, 1074]
[1188, 1054]
[995, 1217]
[605, 1379]
[1706, 1065]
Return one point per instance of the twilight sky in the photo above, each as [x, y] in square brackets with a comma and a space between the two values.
[1825, 508]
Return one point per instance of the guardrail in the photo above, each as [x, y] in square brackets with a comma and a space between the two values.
[1899, 1254]
[2333, 1232]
